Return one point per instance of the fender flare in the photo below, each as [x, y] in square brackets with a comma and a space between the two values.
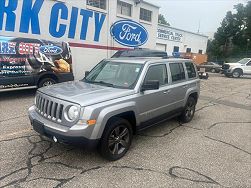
[110, 112]
[238, 68]
[189, 92]
[45, 74]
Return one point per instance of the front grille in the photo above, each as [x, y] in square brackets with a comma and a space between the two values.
[49, 109]
[225, 66]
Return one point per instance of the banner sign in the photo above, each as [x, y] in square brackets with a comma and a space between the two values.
[129, 33]
[168, 34]
[25, 56]
[62, 19]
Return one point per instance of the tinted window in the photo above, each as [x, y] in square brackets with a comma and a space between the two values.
[190, 70]
[157, 72]
[249, 64]
[177, 71]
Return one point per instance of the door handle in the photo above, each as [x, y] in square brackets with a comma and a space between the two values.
[167, 91]
[185, 86]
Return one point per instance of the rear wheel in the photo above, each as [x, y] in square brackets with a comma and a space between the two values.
[188, 113]
[116, 139]
[213, 70]
[46, 82]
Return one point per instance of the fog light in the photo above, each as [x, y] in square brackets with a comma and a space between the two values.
[55, 139]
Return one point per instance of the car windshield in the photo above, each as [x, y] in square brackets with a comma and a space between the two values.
[244, 61]
[115, 74]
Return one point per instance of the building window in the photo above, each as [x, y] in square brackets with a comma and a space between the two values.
[200, 51]
[189, 50]
[124, 8]
[176, 49]
[145, 15]
[97, 3]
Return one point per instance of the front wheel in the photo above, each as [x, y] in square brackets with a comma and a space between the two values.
[236, 74]
[116, 139]
[189, 110]
[46, 82]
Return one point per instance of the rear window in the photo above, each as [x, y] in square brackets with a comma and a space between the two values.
[177, 71]
[190, 70]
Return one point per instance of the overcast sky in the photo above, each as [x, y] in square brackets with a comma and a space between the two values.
[187, 14]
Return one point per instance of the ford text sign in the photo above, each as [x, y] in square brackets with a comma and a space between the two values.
[50, 50]
[129, 33]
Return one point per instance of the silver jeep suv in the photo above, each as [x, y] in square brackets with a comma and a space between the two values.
[115, 100]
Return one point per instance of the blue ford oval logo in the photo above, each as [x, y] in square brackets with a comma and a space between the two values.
[129, 33]
[50, 50]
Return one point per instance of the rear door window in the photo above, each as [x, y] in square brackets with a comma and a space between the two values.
[177, 71]
[190, 70]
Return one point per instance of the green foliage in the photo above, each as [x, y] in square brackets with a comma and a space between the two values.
[232, 36]
[162, 20]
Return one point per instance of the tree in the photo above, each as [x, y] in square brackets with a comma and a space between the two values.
[162, 20]
[232, 36]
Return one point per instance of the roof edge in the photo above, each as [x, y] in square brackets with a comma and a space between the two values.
[163, 25]
[146, 2]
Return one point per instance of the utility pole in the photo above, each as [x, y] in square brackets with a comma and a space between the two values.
[248, 40]
[199, 28]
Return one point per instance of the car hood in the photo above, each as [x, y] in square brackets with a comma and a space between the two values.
[83, 93]
[233, 64]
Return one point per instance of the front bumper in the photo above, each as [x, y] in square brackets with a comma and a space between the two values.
[227, 72]
[77, 134]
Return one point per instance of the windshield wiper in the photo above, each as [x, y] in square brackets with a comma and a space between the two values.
[105, 83]
[99, 82]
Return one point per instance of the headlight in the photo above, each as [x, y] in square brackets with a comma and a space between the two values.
[72, 113]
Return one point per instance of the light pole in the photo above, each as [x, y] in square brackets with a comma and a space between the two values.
[248, 40]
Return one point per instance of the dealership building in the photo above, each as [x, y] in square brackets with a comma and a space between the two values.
[95, 29]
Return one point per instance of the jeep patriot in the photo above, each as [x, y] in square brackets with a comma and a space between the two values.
[115, 100]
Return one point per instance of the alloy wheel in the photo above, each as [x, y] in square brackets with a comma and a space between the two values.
[118, 140]
[190, 109]
[236, 74]
[48, 83]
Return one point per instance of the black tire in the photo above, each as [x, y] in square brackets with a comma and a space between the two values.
[189, 110]
[46, 82]
[236, 74]
[116, 139]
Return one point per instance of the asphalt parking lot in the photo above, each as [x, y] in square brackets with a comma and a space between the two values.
[214, 150]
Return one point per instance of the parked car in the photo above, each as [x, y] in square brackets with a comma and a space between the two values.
[141, 53]
[242, 67]
[118, 98]
[31, 63]
[210, 67]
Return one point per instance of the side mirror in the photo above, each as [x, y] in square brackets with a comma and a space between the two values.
[86, 73]
[150, 85]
